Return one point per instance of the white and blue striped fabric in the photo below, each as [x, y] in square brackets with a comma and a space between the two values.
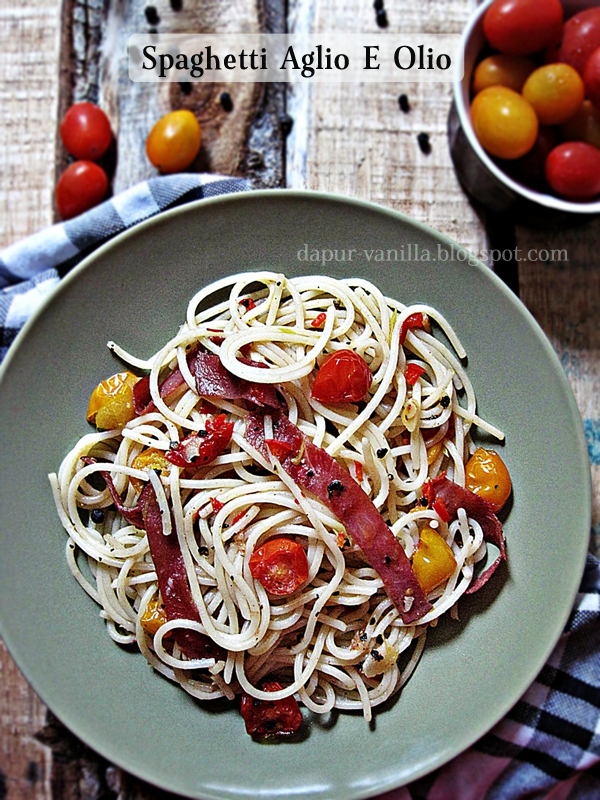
[548, 745]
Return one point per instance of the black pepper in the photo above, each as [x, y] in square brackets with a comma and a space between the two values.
[286, 123]
[376, 655]
[378, 5]
[310, 473]
[381, 18]
[176, 5]
[186, 87]
[379, 639]
[403, 103]
[173, 445]
[97, 515]
[363, 637]
[387, 560]
[202, 433]
[335, 486]
[203, 550]
[382, 452]
[152, 15]
[445, 401]
[424, 143]
[226, 101]
[372, 621]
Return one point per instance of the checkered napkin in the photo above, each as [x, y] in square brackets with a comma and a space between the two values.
[548, 745]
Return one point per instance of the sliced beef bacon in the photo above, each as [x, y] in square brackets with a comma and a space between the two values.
[142, 399]
[214, 380]
[454, 497]
[321, 475]
[170, 568]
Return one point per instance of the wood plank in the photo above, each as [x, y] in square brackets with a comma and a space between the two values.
[560, 284]
[244, 141]
[353, 139]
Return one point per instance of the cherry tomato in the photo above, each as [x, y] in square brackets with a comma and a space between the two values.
[530, 168]
[111, 402]
[504, 122]
[573, 170]
[270, 717]
[82, 186]
[487, 476]
[502, 70]
[149, 459]
[584, 126]
[581, 36]
[280, 565]
[591, 78]
[196, 450]
[174, 142]
[433, 562]
[85, 131]
[344, 377]
[153, 617]
[521, 27]
[555, 91]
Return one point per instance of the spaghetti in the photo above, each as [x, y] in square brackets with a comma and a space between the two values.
[336, 640]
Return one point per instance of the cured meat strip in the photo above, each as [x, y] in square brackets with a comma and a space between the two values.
[142, 399]
[454, 497]
[214, 380]
[170, 568]
[321, 475]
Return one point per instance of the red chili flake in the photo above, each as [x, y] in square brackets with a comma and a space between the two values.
[442, 511]
[413, 373]
[359, 471]
[412, 321]
[217, 505]
[208, 408]
[318, 321]
[248, 303]
[279, 449]
[341, 539]
[218, 340]
[238, 517]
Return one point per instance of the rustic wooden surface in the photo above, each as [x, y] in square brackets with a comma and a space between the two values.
[346, 138]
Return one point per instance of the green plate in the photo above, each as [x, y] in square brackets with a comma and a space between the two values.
[135, 290]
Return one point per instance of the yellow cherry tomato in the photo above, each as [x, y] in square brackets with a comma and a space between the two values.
[111, 402]
[502, 70]
[174, 142]
[555, 91]
[584, 126]
[153, 617]
[149, 459]
[504, 122]
[433, 562]
[487, 476]
[434, 452]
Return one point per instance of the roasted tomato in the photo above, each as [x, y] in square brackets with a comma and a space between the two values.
[344, 377]
[521, 27]
[111, 403]
[487, 476]
[271, 717]
[203, 447]
[280, 565]
[153, 617]
[433, 562]
[149, 459]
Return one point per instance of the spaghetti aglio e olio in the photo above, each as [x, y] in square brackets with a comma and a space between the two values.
[239, 467]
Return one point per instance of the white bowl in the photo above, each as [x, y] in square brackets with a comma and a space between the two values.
[473, 42]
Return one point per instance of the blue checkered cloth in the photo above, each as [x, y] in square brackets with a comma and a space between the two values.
[548, 745]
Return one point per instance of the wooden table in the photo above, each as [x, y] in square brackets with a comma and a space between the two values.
[346, 138]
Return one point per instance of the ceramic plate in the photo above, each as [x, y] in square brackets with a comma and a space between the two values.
[135, 290]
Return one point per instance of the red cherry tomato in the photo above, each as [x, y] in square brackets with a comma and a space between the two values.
[280, 565]
[584, 126]
[581, 36]
[270, 717]
[344, 377]
[85, 131]
[521, 27]
[591, 78]
[573, 170]
[81, 186]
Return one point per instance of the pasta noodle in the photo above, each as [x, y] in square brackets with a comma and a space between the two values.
[337, 641]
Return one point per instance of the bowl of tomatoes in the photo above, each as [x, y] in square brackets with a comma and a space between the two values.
[528, 101]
